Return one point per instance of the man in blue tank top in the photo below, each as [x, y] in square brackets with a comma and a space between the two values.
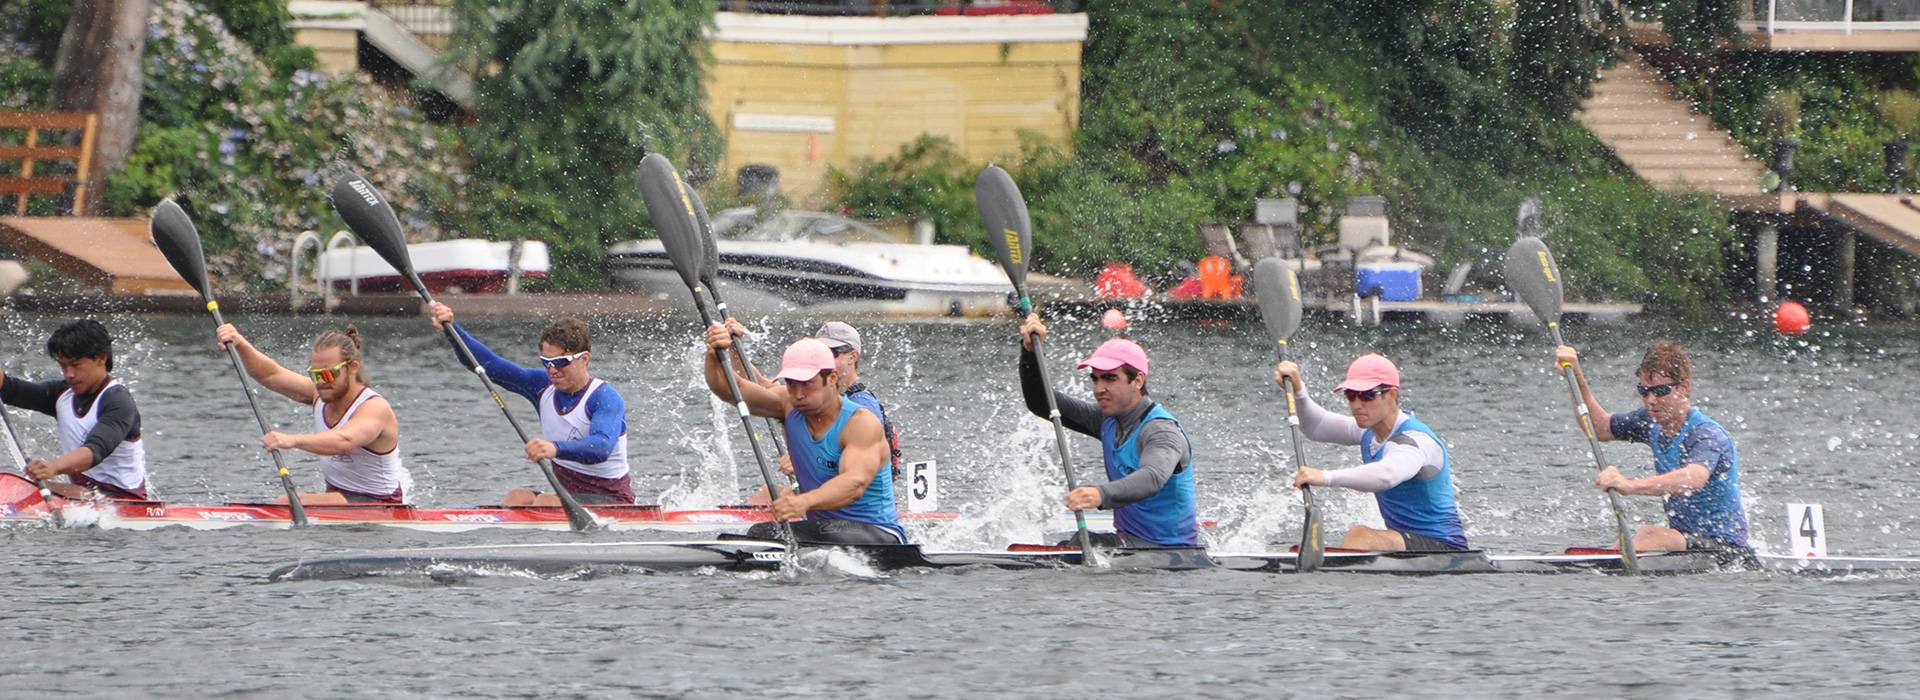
[1695, 467]
[838, 448]
[1404, 464]
[1148, 458]
[844, 341]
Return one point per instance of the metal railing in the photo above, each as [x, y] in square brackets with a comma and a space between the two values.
[425, 18]
[1846, 16]
[323, 277]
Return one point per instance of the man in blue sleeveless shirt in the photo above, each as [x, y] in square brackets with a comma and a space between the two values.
[838, 448]
[1148, 458]
[1404, 464]
[1695, 467]
[844, 341]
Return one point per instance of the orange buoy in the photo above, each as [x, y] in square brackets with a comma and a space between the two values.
[1113, 320]
[1791, 318]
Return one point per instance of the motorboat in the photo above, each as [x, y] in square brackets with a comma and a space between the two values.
[471, 266]
[816, 262]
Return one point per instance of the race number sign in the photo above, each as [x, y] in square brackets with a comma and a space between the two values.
[1806, 529]
[923, 487]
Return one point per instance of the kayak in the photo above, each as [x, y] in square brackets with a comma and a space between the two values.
[576, 558]
[20, 503]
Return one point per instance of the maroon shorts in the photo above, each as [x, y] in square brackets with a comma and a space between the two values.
[593, 489]
[357, 497]
[107, 490]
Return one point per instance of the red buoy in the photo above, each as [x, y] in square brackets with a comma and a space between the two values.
[1791, 318]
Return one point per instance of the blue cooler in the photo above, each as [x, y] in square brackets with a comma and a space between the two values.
[1393, 281]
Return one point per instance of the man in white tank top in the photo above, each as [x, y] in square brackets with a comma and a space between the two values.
[100, 448]
[583, 420]
[355, 429]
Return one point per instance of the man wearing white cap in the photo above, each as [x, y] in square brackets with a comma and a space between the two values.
[1405, 465]
[1148, 458]
[838, 448]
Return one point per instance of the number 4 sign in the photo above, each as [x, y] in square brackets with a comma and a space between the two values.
[1806, 529]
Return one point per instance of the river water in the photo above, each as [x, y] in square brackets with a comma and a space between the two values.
[1825, 419]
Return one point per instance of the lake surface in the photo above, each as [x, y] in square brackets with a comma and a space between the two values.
[1827, 418]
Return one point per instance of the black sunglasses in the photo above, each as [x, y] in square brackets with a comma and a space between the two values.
[1367, 395]
[1657, 389]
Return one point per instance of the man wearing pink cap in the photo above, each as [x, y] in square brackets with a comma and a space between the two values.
[838, 448]
[1148, 458]
[1404, 464]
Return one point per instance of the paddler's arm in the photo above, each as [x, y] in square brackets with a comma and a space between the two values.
[1568, 358]
[1678, 482]
[1316, 423]
[1400, 460]
[1163, 453]
[360, 430]
[607, 416]
[863, 452]
[263, 369]
[525, 381]
[762, 399]
[31, 395]
[1077, 415]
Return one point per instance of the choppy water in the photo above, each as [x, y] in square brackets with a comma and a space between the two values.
[1827, 419]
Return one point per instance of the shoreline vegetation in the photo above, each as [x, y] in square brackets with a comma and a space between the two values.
[1453, 110]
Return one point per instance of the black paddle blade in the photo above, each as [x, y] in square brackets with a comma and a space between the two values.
[1532, 274]
[179, 241]
[710, 262]
[1277, 288]
[1004, 212]
[372, 219]
[671, 210]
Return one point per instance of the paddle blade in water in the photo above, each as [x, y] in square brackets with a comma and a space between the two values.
[1277, 289]
[179, 242]
[1532, 274]
[1005, 214]
[671, 209]
[373, 220]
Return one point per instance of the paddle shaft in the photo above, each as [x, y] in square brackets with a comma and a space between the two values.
[1628, 558]
[296, 509]
[746, 420]
[1059, 436]
[740, 354]
[577, 515]
[20, 462]
[1312, 544]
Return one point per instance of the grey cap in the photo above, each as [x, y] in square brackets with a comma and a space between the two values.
[839, 336]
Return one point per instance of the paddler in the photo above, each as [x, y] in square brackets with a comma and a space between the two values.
[354, 427]
[1696, 469]
[844, 340]
[1148, 458]
[838, 447]
[583, 419]
[98, 424]
[1403, 462]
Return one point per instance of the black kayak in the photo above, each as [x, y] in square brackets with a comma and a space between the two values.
[584, 558]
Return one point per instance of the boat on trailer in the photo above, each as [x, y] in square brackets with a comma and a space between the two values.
[740, 555]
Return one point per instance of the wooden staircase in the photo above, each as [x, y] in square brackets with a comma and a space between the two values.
[1635, 113]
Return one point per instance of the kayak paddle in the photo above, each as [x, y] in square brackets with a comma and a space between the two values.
[372, 219]
[1004, 212]
[670, 207]
[179, 241]
[710, 278]
[1533, 275]
[1277, 289]
[20, 462]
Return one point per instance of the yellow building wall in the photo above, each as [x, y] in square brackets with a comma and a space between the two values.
[802, 107]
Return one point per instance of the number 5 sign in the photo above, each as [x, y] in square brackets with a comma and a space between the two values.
[923, 487]
[1806, 529]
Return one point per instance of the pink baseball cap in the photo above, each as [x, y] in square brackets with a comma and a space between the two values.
[1370, 371]
[1113, 353]
[805, 359]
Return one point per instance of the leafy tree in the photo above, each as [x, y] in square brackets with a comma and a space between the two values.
[570, 95]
